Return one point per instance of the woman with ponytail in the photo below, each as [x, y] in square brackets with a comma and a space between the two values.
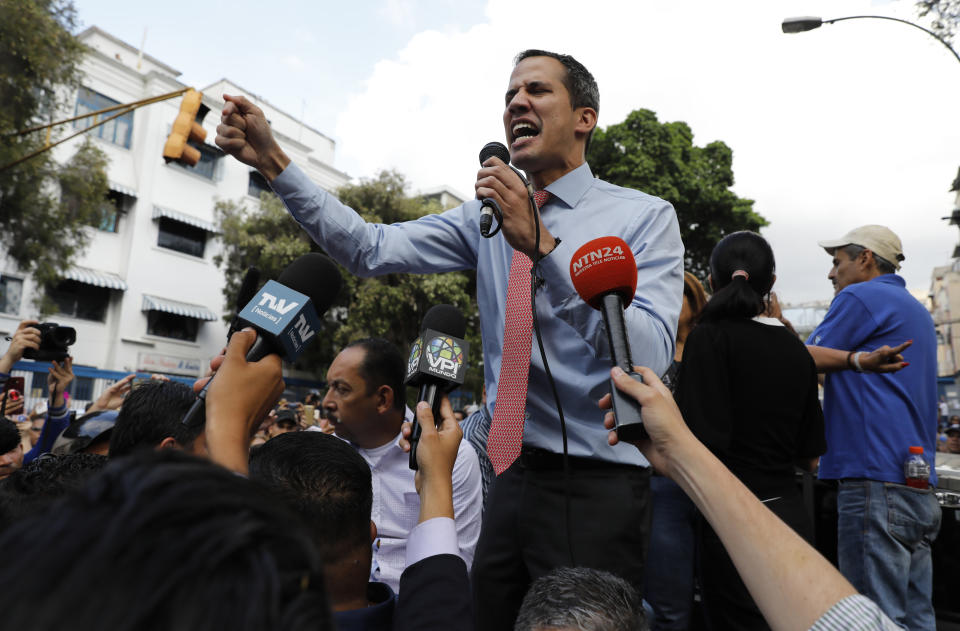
[747, 387]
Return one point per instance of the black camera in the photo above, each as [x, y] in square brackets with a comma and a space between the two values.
[54, 340]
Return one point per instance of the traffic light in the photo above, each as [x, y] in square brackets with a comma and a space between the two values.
[186, 127]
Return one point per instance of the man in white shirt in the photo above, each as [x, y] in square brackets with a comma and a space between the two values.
[365, 404]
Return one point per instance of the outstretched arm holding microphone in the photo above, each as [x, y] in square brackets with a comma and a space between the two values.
[792, 584]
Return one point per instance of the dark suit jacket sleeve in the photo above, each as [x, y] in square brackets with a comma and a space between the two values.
[434, 595]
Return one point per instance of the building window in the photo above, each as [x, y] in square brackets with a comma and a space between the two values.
[209, 160]
[79, 300]
[257, 184]
[171, 325]
[118, 131]
[182, 237]
[110, 211]
[10, 291]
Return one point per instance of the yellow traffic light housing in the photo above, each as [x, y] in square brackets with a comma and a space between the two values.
[185, 128]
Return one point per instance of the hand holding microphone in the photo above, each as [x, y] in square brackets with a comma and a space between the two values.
[437, 362]
[505, 194]
[604, 273]
[285, 314]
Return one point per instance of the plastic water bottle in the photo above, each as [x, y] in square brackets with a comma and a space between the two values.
[916, 469]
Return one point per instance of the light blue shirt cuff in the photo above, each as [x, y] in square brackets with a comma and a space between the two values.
[430, 538]
[289, 181]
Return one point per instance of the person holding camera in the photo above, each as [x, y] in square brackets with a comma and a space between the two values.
[28, 336]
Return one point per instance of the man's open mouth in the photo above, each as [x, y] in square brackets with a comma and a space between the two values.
[523, 130]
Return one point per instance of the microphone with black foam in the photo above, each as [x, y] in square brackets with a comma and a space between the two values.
[489, 208]
[604, 273]
[248, 289]
[437, 362]
[285, 314]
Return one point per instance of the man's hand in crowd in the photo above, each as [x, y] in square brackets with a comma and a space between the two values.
[885, 358]
[112, 397]
[12, 407]
[238, 400]
[436, 455]
[497, 181]
[214, 366]
[58, 379]
[669, 435]
[245, 134]
[26, 336]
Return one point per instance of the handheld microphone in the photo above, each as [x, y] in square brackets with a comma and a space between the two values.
[248, 289]
[604, 273]
[489, 208]
[285, 314]
[437, 362]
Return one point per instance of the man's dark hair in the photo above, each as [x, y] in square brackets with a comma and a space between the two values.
[883, 265]
[580, 84]
[9, 435]
[581, 598]
[46, 478]
[151, 412]
[325, 481]
[162, 540]
[383, 364]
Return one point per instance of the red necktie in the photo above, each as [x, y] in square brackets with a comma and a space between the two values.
[506, 430]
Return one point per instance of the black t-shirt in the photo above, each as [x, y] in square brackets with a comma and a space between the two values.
[748, 391]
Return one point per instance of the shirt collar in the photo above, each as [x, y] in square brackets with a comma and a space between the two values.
[767, 320]
[572, 186]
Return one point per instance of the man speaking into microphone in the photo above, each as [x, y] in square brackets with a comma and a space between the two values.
[534, 521]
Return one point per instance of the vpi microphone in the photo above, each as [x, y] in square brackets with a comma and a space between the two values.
[604, 273]
[437, 362]
[285, 314]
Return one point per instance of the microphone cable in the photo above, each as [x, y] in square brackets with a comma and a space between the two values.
[546, 367]
[500, 151]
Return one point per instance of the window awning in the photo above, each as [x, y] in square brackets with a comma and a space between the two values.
[123, 190]
[199, 312]
[159, 211]
[95, 278]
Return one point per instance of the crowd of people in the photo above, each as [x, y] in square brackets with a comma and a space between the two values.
[297, 515]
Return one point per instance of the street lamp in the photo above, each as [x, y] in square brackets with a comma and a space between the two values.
[801, 24]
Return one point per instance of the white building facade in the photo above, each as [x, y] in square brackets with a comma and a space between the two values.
[146, 296]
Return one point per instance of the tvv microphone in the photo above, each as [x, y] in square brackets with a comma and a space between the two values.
[437, 362]
[248, 289]
[604, 273]
[286, 315]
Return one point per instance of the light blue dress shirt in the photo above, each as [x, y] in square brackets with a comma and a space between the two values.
[581, 208]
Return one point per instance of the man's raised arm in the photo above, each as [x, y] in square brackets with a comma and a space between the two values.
[245, 134]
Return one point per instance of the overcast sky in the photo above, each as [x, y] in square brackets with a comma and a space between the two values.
[850, 124]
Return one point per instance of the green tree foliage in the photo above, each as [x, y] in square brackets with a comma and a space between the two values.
[661, 159]
[44, 206]
[944, 13]
[390, 306]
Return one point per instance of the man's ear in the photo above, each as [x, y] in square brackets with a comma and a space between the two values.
[385, 399]
[373, 531]
[586, 120]
[169, 443]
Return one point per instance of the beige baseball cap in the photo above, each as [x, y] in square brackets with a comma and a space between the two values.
[878, 239]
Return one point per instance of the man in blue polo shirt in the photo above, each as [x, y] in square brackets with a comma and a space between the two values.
[885, 528]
